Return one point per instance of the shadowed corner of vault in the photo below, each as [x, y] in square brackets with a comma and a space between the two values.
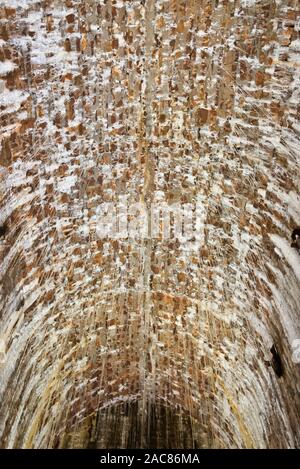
[132, 425]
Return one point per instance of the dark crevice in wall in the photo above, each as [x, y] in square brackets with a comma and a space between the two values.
[296, 238]
[3, 230]
[277, 362]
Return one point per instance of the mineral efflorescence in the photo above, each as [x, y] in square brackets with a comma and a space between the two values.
[149, 341]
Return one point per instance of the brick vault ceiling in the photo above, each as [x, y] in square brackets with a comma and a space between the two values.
[162, 342]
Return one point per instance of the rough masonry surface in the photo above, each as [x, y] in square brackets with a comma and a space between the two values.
[159, 342]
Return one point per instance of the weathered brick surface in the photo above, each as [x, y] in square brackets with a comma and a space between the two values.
[152, 101]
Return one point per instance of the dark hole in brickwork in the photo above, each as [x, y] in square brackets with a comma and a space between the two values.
[296, 233]
[3, 230]
[276, 361]
[296, 238]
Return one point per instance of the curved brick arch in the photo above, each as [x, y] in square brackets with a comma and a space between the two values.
[118, 109]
